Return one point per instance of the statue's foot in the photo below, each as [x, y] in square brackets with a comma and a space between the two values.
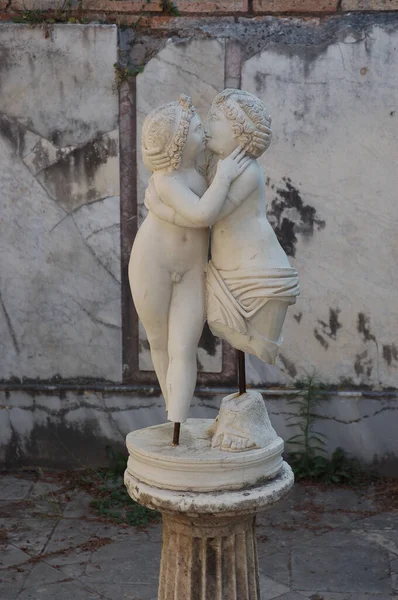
[229, 440]
[242, 423]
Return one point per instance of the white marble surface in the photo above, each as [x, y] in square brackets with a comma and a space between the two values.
[335, 148]
[243, 424]
[194, 465]
[59, 194]
[195, 67]
[224, 503]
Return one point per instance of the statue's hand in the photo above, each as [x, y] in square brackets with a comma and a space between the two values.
[154, 203]
[231, 167]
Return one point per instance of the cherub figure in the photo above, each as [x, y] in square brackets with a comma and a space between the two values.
[168, 260]
[250, 282]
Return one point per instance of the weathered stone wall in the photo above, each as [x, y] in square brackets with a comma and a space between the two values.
[127, 12]
[74, 362]
[330, 173]
[59, 178]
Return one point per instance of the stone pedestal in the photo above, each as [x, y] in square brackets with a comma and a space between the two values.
[209, 543]
[209, 557]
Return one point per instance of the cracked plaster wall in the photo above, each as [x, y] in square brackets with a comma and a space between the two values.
[59, 193]
[331, 88]
[332, 198]
[39, 428]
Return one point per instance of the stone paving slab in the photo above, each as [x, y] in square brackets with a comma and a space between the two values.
[346, 596]
[14, 489]
[318, 544]
[350, 569]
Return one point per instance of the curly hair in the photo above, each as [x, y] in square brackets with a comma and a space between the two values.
[164, 134]
[250, 120]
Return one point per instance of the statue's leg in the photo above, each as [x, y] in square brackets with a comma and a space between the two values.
[151, 295]
[186, 320]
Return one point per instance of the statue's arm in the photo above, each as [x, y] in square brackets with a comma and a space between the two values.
[201, 211]
[187, 204]
[154, 203]
[241, 189]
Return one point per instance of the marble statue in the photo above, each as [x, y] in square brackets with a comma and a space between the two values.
[168, 259]
[210, 487]
[246, 287]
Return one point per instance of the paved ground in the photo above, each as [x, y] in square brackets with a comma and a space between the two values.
[319, 544]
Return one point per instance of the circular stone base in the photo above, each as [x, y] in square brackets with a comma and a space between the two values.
[215, 503]
[194, 465]
[209, 538]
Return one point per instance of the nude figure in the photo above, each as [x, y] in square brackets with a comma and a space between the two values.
[168, 260]
[250, 282]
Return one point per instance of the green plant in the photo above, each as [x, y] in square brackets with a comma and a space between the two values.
[113, 501]
[307, 400]
[170, 8]
[343, 468]
[117, 506]
[309, 460]
[30, 17]
[65, 12]
[124, 73]
[338, 469]
[117, 463]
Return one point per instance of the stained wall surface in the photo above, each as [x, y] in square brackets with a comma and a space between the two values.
[59, 192]
[331, 180]
[331, 87]
[332, 198]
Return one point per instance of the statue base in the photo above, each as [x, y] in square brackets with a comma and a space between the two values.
[209, 543]
[194, 465]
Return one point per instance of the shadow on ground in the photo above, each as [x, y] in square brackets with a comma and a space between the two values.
[321, 543]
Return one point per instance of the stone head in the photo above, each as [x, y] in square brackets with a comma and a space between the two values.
[170, 132]
[238, 118]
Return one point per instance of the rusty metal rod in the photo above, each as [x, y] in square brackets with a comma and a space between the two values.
[241, 372]
[176, 434]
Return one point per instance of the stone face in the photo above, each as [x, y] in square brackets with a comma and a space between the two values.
[59, 173]
[331, 193]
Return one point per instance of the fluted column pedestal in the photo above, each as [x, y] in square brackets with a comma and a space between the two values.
[209, 557]
[209, 541]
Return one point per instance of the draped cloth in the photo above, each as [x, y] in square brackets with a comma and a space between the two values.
[235, 297]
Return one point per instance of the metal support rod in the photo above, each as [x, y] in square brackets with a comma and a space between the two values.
[241, 372]
[176, 434]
